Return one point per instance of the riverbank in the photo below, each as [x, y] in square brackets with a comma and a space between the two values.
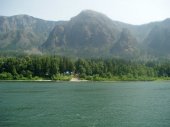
[76, 79]
[71, 80]
[56, 68]
[26, 80]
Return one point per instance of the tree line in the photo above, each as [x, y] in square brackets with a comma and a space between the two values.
[63, 68]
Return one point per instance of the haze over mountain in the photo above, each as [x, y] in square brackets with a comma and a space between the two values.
[89, 34]
[23, 32]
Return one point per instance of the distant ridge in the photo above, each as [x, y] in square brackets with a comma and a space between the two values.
[89, 34]
[22, 32]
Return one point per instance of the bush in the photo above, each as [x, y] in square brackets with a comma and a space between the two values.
[6, 76]
[61, 77]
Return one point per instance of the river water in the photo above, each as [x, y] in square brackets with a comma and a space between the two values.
[85, 104]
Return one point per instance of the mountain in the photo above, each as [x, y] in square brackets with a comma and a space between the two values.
[92, 34]
[126, 45]
[89, 34]
[158, 40]
[23, 32]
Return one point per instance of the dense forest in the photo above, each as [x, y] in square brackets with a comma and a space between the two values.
[63, 68]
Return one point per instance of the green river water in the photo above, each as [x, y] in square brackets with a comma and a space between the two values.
[85, 104]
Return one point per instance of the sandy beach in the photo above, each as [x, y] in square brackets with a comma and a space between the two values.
[77, 80]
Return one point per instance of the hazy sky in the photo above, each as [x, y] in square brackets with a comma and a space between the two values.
[129, 11]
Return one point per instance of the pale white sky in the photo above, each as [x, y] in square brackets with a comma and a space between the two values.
[128, 11]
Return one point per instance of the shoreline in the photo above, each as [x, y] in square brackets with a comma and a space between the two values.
[77, 80]
[27, 80]
[80, 80]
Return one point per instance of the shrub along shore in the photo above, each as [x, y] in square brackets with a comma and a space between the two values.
[49, 68]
